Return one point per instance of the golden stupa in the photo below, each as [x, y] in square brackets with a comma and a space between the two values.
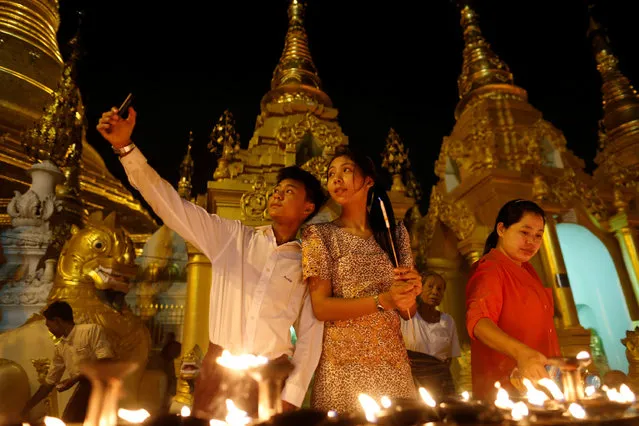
[501, 148]
[33, 89]
[297, 124]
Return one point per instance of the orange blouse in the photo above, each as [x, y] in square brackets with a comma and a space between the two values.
[514, 298]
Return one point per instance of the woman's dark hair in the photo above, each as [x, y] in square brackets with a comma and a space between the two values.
[375, 193]
[509, 214]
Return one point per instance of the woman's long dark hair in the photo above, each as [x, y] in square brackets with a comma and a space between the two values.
[509, 214]
[375, 193]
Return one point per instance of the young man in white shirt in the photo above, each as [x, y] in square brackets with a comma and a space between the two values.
[257, 292]
[78, 343]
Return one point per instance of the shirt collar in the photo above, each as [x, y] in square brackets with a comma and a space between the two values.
[268, 231]
[69, 338]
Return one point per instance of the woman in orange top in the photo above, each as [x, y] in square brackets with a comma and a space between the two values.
[509, 313]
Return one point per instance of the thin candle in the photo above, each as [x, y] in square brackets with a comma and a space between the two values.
[390, 237]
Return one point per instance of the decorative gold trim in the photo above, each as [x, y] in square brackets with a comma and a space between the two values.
[29, 80]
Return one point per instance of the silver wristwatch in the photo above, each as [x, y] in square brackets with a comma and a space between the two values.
[125, 149]
[379, 306]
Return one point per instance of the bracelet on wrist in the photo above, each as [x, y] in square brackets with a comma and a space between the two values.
[122, 151]
[378, 304]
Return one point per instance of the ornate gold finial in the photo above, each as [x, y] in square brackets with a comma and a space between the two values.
[617, 159]
[295, 76]
[296, 64]
[186, 171]
[481, 66]
[413, 187]
[620, 99]
[395, 160]
[61, 123]
[225, 142]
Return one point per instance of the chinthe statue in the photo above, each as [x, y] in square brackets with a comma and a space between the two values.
[93, 275]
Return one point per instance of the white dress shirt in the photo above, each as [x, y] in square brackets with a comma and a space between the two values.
[437, 339]
[85, 342]
[257, 292]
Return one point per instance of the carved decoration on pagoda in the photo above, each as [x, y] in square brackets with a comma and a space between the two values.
[318, 167]
[618, 157]
[395, 160]
[455, 215]
[225, 142]
[60, 126]
[328, 134]
[253, 203]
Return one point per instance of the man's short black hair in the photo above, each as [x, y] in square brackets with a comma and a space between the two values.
[313, 187]
[60, 310]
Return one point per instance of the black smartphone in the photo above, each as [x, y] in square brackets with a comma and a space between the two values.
[124, 108]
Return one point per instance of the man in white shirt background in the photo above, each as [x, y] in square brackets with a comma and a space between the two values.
[431, 339]
[78, 343]
[257, 292]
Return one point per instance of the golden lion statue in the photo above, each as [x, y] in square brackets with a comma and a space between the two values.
[93, 275]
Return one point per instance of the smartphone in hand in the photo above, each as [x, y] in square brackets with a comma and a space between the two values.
[124, 108]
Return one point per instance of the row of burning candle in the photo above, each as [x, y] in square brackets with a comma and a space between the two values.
[536, 401]
[373, 410]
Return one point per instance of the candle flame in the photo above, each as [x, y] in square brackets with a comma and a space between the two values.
[235, 416]
[53, 421]
[503, 399]
[519, 411]
[185, 411]
[628, 395]
[133, 416]
[465, 395]
[426, 396]
[590, 390]
[240, 362]
[385, 401]
[216, 422]
[583, 355]
[577, 411]
[622, 396]
[553, 388]
[371, 408]
[332, 414]
[534, 395]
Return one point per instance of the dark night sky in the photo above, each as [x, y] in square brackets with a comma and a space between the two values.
[391, 65]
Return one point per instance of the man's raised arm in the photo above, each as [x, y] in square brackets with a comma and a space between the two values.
[210, 233]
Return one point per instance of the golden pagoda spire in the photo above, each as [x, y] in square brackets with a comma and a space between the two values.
[295, 76]
[60, 125]
[481, 66]
[620, 100]
[225, 143]
[186, 172]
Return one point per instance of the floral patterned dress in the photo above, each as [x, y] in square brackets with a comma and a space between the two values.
[365, 354]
